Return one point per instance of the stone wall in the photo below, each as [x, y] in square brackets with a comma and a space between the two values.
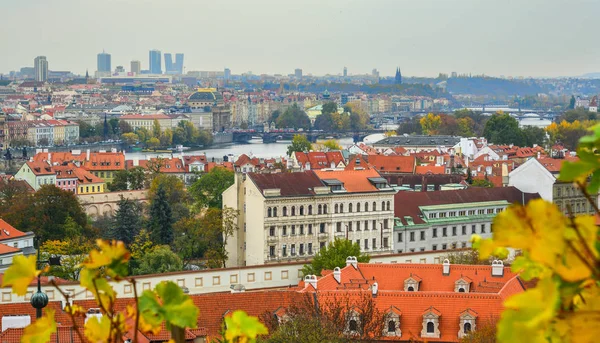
[101, 203]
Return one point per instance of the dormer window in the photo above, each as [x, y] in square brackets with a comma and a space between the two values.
[412, 283]
[431, 323]
[462, 285]
[353, 323]
[392, 323]
[467, 322]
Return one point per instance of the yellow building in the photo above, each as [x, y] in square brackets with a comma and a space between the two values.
[146, 121]
[88, 183]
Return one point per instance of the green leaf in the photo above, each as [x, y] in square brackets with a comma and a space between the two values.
[241, 326]
[168, 303]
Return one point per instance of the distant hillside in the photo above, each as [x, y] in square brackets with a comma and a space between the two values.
[490, 85]
[591, 76]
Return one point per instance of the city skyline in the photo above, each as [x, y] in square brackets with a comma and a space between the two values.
[424, 38]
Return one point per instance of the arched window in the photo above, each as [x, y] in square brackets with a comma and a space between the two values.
[461, 290]
[325, 209]
[411, 289]
[430, 327]
[341, 208]
[366, 207]
[319, 209]
[388, 205]
[269, 212]
[374, 206]
[284, 211]
[353, 325]
[309, 210]
[358, 207]
[293, 210]
[301, 210]
[274, 211]
[336, 208]
[466, 327]
[391, 326]
[383, 205]
[350, 207]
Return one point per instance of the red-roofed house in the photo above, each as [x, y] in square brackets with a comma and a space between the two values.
[316, 160]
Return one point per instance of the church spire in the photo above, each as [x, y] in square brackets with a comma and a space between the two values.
[398, 77]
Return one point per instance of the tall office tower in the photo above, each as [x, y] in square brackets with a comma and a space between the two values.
[155, 62]
[227, 73]
[136, 67]
[168, 63]
[40, 66]
[298, 73]
[104, 66]
[179, 63]
[345, 71]
[173, 68]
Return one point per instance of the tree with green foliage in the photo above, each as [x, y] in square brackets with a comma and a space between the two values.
[190, 240]
[534, 135]
[469, 178]
[274, 116]
[127, 221]
[334, 255]
[325, 122]
[130, 138]
[293, 117]
[160, 218]
[580, 114]
[299, 144]
[130, 179]
[153, 143]
[501, 128]
[430, 124]
[572, 102]
[158, 260]
[483, 183]
[332, 145]
[208, 190]
[329, 107]
[177, 195]
[156, 129]
[217, 226]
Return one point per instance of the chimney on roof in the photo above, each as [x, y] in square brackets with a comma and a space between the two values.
[374, 289]
[49, 158]
[497, 268]
[446, 267]
[351, 260]
[87, 155]
[539, 155]
[337, 274]
[311, 280]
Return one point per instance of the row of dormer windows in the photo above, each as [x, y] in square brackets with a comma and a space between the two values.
[479, 212]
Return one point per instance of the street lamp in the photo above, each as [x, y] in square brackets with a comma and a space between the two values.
[40, 300]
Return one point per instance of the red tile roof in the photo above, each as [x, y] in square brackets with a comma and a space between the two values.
[7, 231]
[393, 163]
[319, 160]
[353, 180]
[290, 184]
[554, 164]
[145, 116]
[430, 170]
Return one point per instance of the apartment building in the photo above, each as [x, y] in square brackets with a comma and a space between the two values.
[290, 216]
[146, 121]
[441, 220]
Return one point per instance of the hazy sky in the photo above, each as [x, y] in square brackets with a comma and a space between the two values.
[423, 37]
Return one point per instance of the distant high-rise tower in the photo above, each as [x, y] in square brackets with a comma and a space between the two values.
[227, 73]
[155, 62]
[136, 67]
[298, 73]
[398, 77]
[173, 68]
[345, 71]
[40, 66]
[104, 66]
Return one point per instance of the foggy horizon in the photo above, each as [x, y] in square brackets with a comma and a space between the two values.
[534, 38]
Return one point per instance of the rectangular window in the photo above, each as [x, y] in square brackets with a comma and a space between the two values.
[422, 235]
[358, 242]
[432, 215]
[284, 250]
[357, 226]
[349, 226]
[464, 244]
[374, 244]
[366, 244]
[374, 227]
[412, 236]
[293, 250]
[385, 242]
[272, 231]
[490, 211]
[454, 231]
[322, 228]
[480, 211]
[434, 247]
[434, 233]
[452, 214]
[310, 248]
[473, 229]
[310, 229]
[482, 228]
[272, 251]
[284, 231]
[444, 232]
[442, 214]
[293, 230]
[399, 236]
[301, 229]
[321, 245]
[338, 227]
[301, 248]
[461, 213]
[366, 225]
[464, 229]
[444, 246]
[471, 212]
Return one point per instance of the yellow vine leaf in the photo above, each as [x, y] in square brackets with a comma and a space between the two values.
[528, 314]
[580, 246]
[97, 330]
[20, 274]
[243, 328]
[40, 331]
[112, 254]
[143, 325]
[98, 286]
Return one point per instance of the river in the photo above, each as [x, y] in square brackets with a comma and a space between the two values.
[254, 148]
